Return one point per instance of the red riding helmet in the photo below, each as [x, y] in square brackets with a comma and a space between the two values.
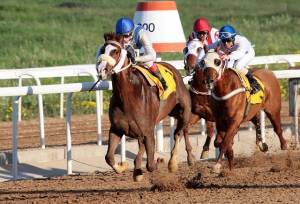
[202, 24]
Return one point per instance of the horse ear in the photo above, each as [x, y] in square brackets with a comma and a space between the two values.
[217, 62]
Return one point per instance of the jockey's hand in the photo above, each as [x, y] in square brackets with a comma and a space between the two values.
[131, 54]
[225, 57]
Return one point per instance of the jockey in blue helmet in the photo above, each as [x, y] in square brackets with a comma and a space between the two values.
[135, 37]
[237, 51]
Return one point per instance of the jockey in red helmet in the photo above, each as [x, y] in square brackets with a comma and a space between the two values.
[204, 32]
[202, 36]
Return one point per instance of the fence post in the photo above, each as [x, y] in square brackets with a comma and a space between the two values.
[15, 138]
[20, 102]
[159, 137]
[68, 131]
[61, 107]
[172, 129]
[296, 112]
[123, 148]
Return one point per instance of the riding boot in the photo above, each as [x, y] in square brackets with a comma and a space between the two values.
[155, 71]
[255, 87]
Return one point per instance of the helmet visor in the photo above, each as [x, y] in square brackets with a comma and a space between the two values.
[226, 35]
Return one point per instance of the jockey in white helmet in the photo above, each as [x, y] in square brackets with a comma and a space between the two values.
[237, 51]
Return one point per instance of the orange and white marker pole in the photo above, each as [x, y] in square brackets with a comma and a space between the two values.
[162, 21]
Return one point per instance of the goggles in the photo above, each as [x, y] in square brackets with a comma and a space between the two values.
[127, 35]
[226, 35]
[201, 33]
[227, 40]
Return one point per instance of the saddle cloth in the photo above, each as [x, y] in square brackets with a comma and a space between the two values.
[154, 81]
[255, 98]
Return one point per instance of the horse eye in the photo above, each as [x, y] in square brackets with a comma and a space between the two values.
[185, 50]
[202, 63]
[217, 62]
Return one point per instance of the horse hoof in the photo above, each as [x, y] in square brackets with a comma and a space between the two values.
[263, 147]
[284, 146]
[160, 160]
[204, 155]
[191, 160]
[172, 166]
[138, 175]
[120, 167]
[217, 168]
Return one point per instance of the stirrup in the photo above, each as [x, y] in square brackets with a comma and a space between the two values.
[255, 88]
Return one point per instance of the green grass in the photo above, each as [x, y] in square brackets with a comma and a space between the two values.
[38, 33]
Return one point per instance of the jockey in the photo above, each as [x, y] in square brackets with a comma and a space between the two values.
[203, 32]
[135, 37]
[237, 51]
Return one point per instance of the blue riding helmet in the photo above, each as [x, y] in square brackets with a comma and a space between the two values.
[227, 32]
[124, 26]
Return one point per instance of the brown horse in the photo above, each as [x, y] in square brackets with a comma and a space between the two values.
[135, 107]
[201, 100]
[230, 103]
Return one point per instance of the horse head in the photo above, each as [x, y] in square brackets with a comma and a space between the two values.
[113, 56]
[192, 53]
[213, 68]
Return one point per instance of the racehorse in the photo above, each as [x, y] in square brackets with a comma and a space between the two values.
[135, 107]
[230, 103]
[201, 100]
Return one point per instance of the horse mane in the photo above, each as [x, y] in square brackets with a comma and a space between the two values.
[113, 36]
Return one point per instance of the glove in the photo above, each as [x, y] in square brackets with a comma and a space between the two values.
[130, 54]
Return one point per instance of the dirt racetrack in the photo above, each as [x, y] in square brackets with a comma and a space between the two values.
[261, 179]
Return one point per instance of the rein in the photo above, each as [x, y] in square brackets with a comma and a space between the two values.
[229, 95]
[192, 89]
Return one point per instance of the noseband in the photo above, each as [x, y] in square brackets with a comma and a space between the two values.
[116, 64]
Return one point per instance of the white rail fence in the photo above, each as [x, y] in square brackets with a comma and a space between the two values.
[89, 70]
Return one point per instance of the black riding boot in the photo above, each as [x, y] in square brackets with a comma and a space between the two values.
[161, 79]
[255, 87]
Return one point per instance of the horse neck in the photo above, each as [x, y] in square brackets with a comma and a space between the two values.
[197, 82]
[227, 83]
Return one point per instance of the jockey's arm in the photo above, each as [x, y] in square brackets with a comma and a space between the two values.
[242, 47]
[150, 54]
[214, 45]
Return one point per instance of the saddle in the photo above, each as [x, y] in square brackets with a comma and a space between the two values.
[154, 81]
[255, 98]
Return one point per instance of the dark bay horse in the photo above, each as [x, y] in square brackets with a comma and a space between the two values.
[135, 107]
[230, 103]
[201, 100]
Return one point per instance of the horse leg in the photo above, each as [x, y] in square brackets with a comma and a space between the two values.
[210, 132]
[137, 173]
[230, 156]
[227, 144]
[190, 157]
[113, 142]
[172, 165]
[188, 148]
[149, 143]
[276, 122]
[259, 141]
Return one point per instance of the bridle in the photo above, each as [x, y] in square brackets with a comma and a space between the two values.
[117, 65]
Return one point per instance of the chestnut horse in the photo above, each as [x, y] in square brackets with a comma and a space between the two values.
[230, 103]
[135, 107]
[201, 100]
